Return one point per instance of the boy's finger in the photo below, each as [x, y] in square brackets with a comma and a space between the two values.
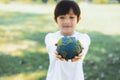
[76, 58]
[56, 52]
[80, 54]
[61, 59]
[58, 56]
[73, 60]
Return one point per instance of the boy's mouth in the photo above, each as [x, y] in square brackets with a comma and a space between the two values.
[66, 26]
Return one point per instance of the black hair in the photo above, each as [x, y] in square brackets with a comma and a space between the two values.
[63, 7]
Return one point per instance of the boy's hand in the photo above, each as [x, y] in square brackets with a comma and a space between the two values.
[76, 58]
[58, 56]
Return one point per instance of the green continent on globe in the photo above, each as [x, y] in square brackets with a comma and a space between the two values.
[69, 47]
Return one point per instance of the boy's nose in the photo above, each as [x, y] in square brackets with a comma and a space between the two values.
[67, 21]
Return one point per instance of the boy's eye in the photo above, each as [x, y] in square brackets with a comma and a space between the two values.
[72, 17]
[62, 17]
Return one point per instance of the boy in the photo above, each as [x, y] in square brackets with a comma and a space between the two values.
[67, 15]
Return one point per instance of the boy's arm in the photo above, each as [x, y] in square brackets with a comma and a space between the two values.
[85, 44]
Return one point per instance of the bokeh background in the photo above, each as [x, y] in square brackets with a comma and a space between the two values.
[24, 24]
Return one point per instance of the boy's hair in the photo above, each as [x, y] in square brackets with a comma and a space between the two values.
[63, 7]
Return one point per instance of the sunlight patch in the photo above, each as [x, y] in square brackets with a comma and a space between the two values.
[42, 49]
[15, 47]
[26, 76]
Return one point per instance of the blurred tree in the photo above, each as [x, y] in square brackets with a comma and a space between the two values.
[44, 1]
[114, 1]
[54, 1]
[5, 1]
[88, 1]
[34, 0]
[100, 1]
[50, 1]
[119, 1]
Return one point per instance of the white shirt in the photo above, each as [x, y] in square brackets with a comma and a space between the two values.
[63, 70]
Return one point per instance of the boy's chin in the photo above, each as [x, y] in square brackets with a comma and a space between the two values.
[68, 30]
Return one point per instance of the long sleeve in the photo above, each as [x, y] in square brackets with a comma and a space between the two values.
[50, 46]
[85, 41]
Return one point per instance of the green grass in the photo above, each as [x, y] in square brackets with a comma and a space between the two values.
[102, 61]
[22, 49]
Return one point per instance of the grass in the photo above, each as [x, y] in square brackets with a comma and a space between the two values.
[22, 49]
[103, 58]
[23, 55]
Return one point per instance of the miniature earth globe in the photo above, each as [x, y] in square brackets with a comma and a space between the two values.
[68, 47]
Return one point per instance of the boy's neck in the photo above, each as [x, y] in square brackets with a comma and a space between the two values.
[67, 34]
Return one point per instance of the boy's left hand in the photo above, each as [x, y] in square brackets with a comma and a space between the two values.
[76, 58]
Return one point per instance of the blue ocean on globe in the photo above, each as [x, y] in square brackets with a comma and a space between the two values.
[68, 47]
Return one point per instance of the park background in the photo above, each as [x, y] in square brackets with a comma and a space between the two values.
[24, 24]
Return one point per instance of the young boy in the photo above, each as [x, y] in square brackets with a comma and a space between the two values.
[66, 15]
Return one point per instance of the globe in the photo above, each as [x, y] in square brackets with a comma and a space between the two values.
[68, 47]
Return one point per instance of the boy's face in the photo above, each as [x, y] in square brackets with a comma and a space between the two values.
[67, 23]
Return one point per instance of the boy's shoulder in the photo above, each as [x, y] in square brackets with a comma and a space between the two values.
[54, 34]
[83, 35]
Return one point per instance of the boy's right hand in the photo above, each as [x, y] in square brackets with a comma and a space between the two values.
[59, 56]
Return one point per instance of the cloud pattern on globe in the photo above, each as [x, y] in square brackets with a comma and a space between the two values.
[68, 47]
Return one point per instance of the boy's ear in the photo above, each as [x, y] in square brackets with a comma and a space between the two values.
[78, 19]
